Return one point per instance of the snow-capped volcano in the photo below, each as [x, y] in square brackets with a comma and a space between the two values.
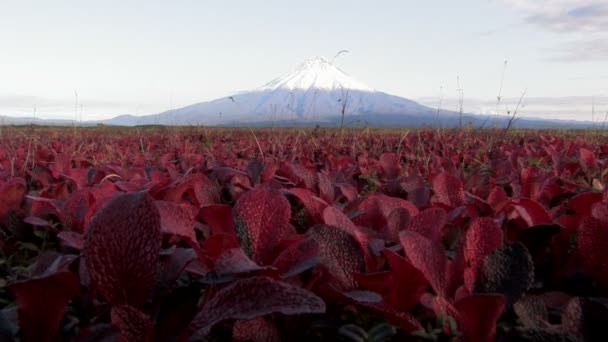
[315, 92]
[315, 73]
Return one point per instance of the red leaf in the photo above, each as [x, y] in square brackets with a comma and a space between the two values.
[252, 298]
[340, 253]
[532, 212]
[600, 211]
[587, 158]
[326, 188]
[479, 314]
[313, 204]
[261, 218]
[13, 193]
[482, 238]
[429, 223]
[497, 196]
[177, 219]
[219, 218]
[134, 325]
[234, 261]
[121, 248]
[333, 216]
[389, 162]
[592, 246]
[408, 282]
[348, 191]
[255, 330]
[41, 304]
[297, 257]
[377, 207]
[203, 191]
[448, 190]
[78, 209]
[429, 257]
[396, 222]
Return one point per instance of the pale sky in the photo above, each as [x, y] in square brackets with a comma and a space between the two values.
[144, 57]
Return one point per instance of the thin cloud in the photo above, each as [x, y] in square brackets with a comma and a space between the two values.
[563, 15]
[587, 18]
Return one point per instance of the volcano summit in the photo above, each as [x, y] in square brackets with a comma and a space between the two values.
[315, 92]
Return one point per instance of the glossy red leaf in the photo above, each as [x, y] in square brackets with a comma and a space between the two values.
[531, 212]
[479, 314]
[121, 248]
[252, 298]
[448, 190]
[41, 304]
[219, 218]
[134, 325]
[261, 218]
[407, 283]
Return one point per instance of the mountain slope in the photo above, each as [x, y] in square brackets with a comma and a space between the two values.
[315, 92]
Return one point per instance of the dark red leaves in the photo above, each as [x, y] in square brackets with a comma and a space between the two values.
[261, 218]
[252, 298]
[255, 330]
[508, 270]
[121, 248]
[448, 190]
[12, 192]
[483, 237]
[41, 304]
[593, 247]
[134, 325]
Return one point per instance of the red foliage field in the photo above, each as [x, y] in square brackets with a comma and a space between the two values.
[165, 234]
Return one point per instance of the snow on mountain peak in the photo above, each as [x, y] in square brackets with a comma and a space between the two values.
[316, 73]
